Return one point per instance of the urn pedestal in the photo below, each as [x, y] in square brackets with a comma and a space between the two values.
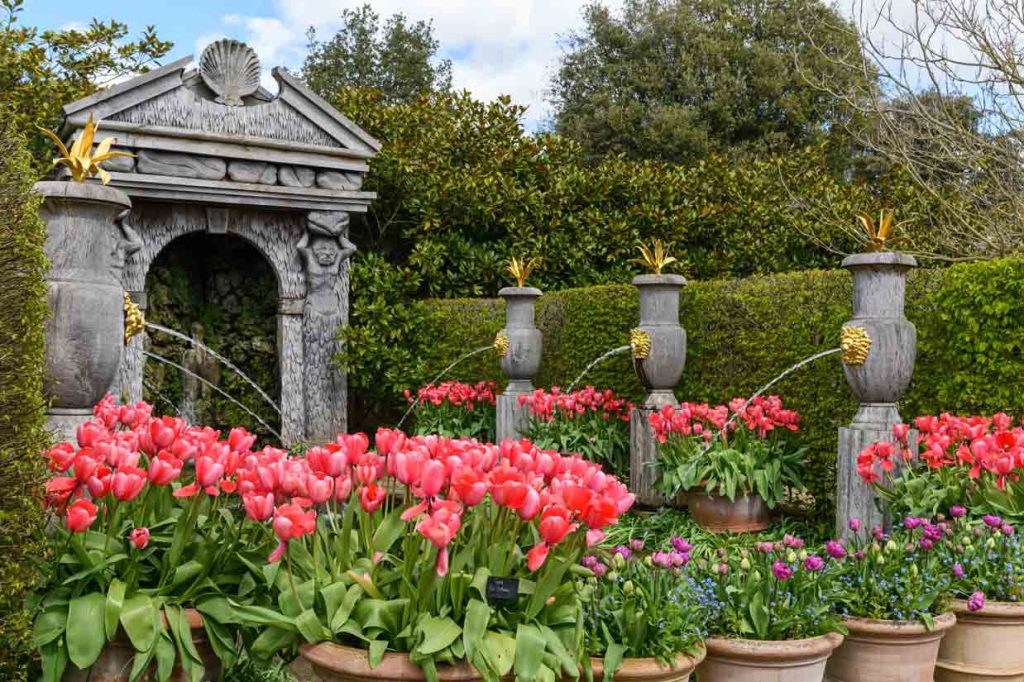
[85, 329]
[879, 346]
[521, 344]
[659, 355]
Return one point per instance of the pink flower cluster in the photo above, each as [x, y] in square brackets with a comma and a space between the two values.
[761, 416]
[548, 406]
[455, 393]
[992, 445]
[125, 449]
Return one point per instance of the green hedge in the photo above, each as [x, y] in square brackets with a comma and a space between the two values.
[744, 332]
[23, 309]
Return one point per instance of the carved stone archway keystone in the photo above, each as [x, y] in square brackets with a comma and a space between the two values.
[217, 153]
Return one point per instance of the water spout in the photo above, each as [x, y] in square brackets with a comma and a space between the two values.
[160, 358]
[162, 396]
[595, 363]
[438, 378]
[223, 360]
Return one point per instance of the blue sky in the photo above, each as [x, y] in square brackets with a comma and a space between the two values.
[497, 46]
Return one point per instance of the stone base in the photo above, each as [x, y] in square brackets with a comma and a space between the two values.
[64, 423]
[643, 452]
[513, 418]
[855, 498]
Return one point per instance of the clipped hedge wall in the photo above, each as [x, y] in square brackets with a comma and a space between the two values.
[23, 308]
[744, 332]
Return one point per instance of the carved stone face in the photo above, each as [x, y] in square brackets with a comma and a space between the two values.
[326, 251]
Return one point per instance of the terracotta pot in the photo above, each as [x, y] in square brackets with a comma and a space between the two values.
[749, 660]
[983, 645]
[649, 670]
[888, 651]
[338, 663]
[115, 663]
[716, 513]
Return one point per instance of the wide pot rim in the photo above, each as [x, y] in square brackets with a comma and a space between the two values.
[650, 669]
[81, 191]
[992, 609]
[665, 279]
[355, 662]
[893, 258]
[520, 292]
[773, 650]
[899, 628]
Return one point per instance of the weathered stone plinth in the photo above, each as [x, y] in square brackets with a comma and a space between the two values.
[643, 452]
[513, 418]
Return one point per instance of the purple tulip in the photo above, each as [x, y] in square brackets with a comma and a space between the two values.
[681, 545]
[636, 544]
[1007, 529]
[814, 563]
[835, 549]
[782, 571]
[976, 602]
[957, 511]
[912, 522]
[958, 571]
[764, 547]
[992, 521]
[854, 525]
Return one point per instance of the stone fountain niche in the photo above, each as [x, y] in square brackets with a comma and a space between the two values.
[216, 153]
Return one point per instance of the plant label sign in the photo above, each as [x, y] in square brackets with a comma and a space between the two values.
[502, 589]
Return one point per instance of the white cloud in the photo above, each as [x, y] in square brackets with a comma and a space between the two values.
[503, 47]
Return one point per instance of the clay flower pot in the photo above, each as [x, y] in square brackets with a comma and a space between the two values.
[888, 651]
[115, 663]
[338, 663]
[983, 645]
[748, 660]
[660, 370]
[649, 670]
[718, 514]
[85, 328]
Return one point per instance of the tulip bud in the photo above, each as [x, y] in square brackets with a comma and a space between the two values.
[756, 575]
[880, 560]
[890, 546]
[914, 571]
[803, 555]
[875, 547]
[627, 588]
[790, 556]
[618, 561]
[990, 543]
[647, 561]
[745, 564]
[613, 576]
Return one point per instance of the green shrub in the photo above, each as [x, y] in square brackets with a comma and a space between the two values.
[23, 307]
[744, 332]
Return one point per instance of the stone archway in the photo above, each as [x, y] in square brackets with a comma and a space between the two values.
[220, 290]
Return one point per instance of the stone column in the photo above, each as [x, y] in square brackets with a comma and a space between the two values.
[324, 251]
[85, 329]
[290, 362]
[521, 345]
[879, 347]
[659, 355]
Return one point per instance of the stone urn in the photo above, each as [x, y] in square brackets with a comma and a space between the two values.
[750, 660]
[85, 329]
[879, 343]
[659, 342]
[984, 644]
[521, 358]
[888, 650]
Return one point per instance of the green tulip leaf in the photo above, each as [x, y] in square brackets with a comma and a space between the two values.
[140, 619]
[113, 606]
[84, 638]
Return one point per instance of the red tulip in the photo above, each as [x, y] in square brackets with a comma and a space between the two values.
[320, 487]
[259, 507]
[139, 537]
[371, 497]
[240, 440]
[100, 482]
[164, 468]
[433, 478]
[555, 524]
[208, 471]
[290, 521]
[128, 483]
[81, 514]
[536, 557]
[61, 456]
[90, 432]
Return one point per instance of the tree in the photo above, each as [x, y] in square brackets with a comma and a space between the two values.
[398, 59]
[948, 113]
[40, 72]
[678, 79]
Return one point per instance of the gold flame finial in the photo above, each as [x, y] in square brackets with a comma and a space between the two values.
[80, 159]
[654, 258]
[880, 235]
[521, 268]
[855, 344]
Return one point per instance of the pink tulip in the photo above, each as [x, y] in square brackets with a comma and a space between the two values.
[259, 507]
[139, 537]
[81, 514]
[164, 468]
[127, 483]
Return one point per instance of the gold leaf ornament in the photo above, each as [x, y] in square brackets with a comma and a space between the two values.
[654, 258]
[134, 322]
[855, 344]
[521, 268]
[501, 344]
[880, 235]
[639, 344]
[80, 160]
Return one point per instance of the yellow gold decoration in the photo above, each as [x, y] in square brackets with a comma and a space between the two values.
[80, 160]
[654, 258]
[520, 268]
[880, 235]
[639, 343]
[501, 344]
[855, 344]
[134, 322]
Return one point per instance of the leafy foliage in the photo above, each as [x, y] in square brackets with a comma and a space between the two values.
[673, 80]
[398, 60]
[41, 71]
[23, 304]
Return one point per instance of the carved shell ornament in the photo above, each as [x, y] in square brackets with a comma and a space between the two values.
[639, 344]
[855, 344]
[501, 344]
[231, 69]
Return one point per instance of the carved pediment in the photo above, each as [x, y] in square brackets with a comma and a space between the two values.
[240, 143]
